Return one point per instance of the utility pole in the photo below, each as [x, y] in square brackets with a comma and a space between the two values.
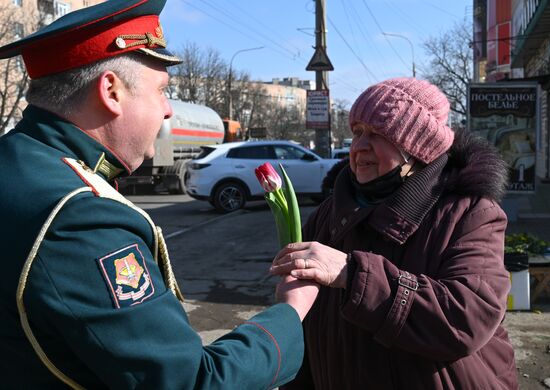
[321, 64]
[321, 76]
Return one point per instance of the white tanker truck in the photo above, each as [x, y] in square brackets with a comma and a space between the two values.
[179, 141]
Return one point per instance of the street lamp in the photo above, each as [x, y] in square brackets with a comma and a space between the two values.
[230, 101]
[410, 43]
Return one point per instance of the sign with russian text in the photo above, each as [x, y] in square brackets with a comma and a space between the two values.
[318, 110]
[507, 114]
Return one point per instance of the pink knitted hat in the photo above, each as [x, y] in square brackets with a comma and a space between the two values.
[410, 113]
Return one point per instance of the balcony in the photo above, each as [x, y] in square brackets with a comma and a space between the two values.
[531, 23]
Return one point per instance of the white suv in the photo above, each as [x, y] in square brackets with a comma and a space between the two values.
[224, 174]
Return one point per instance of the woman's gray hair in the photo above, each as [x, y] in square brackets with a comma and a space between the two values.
[63, 93]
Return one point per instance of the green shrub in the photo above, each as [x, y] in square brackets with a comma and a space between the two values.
[525, 243]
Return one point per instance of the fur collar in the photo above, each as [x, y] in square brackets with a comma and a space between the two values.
[475, 168]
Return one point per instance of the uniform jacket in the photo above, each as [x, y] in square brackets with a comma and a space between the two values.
[95, 297]
[427, 287]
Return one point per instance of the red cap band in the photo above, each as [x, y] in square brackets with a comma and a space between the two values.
[81, 47]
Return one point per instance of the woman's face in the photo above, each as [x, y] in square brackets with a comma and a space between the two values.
[371, 155]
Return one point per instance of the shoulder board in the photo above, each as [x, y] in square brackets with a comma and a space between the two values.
[100, 187]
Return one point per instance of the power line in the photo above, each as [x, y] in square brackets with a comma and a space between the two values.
[382, 32]
[442, 10]
[404, 17]
[351, 49]
[257, 21]
[350, 25]
[538, 35]
[236, 29]
[247, 25]
[366, 36]
[297, 57]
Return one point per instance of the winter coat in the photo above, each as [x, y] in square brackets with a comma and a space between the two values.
[427, 286]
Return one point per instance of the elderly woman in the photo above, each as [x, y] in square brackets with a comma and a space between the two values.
[409, 250]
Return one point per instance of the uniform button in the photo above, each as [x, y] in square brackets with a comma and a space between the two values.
[343, 221]
[403, 302]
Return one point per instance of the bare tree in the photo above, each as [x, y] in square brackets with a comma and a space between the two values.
[13, 76]
[280, 121]
[339, 121]
[284, 123]
[215, 70]
[187, 80]
[203, 78]
[450, 66]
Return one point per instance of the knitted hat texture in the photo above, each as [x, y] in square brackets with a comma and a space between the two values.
[410, 113]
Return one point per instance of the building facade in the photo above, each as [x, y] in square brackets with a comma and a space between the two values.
[531, 52]
[288, 92]
[511, 42]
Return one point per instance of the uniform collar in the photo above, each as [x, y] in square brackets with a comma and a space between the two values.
[63, 135]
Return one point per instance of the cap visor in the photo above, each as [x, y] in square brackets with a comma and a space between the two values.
[161, 54]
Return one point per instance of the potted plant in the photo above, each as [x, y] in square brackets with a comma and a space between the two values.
[518, 247]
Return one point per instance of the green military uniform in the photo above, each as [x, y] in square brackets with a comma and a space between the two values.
[95, 298]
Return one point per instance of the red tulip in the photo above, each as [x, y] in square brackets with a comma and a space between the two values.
[283, 203]
[268, 177]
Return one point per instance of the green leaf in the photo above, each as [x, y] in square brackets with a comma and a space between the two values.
[295, 223]
[281, 219]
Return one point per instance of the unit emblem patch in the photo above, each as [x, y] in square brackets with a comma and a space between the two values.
[127, 277]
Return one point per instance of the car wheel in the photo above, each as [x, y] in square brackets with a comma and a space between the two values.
[229, 197]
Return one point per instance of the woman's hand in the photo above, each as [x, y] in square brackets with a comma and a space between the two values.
[312, 260]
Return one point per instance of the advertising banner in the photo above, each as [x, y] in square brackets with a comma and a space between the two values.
[507, 114]
[318, 110]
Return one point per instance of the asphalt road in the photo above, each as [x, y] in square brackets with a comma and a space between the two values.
[221, 262]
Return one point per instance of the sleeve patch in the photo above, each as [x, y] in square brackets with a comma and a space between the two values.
[127, 277]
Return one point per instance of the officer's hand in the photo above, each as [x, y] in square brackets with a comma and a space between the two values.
[300, 294]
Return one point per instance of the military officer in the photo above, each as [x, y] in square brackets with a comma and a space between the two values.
[89, 299]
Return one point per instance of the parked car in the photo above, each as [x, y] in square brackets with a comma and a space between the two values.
[224, 174]
[340, 153]
[327, 185]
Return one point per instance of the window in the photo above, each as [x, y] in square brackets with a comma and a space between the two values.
[263, 152]
[61, 8]
[284, 152]
[18, 3]
[205, 151]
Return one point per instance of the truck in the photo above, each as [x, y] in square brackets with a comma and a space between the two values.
[179, 140]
